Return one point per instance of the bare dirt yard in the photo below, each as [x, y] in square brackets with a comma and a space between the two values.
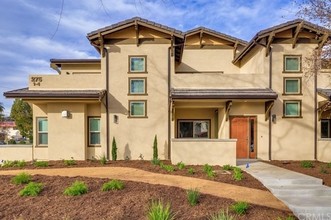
[319, 169]
[130, 203]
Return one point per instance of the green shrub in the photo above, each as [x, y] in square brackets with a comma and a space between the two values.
[103, 160]
[114, 150]
[168, 168]
[70, 162]
[191, 171]
[227, 167]
[193, 196]
[207, 168]
[222, 215]
[324, 170]
[306, 164]
[20, 163]
[329, 165]
[41, 164]
[32, 189]
[211, 173]
[240, 207]
[180, 165]
[113, 185]
[11, 141]
[156, 161]
[76, 189]
[159, 211]
[237, 174]
[155, 150]
[21, 178]
[15, 163]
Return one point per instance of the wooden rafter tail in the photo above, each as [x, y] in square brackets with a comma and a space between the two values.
[323, 41]
[270, 39]
[228, 105]
[201, 36]
[172, 45]
[296, 35]
[235, 47]
[136, 27]
[102, 47]
[268, 106]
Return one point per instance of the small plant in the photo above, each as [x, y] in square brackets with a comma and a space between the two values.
[21, 178]
[15, 163]
[240, 207]
[156, 161]
[180, 165]
[222, 215]
[193, 196]
[76, 189]
[306, 164]
[159, 211]
[324, 170]
[227, 167]
[70, 162]
[103, 160]
[237, 174]
[155, 150]
[41, 164]
[114, 150]
[211, 173]
[32, 189]
[191, 171]
[207, 168]
[168, 168]
[113, 185]
[20, 163]
[329, 165]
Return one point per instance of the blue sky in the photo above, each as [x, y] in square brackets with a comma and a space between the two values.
[27, 27]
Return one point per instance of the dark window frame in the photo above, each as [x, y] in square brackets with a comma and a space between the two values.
[137, 78]
[299, 56]
[292, 101]
[136, 101]
[89, 131]
[137, 56]
[292, 78]
[193, 120]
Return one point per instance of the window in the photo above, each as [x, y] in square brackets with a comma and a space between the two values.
[42, 129]
[292, 108]
[137, 86]
[292, 86]
[292, 63]
[137, 64]
[325, 128]
[94, 131]
[138, 109]
[193, 128]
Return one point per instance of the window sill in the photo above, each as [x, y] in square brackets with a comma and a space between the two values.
[41, 146]
[290, 72]
[137, 94]
[138, 117]
[137, 72]
[292, 116]
[94, 146]
[294, 94]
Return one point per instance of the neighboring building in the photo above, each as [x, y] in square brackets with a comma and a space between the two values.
[209, 97]
[9, 131]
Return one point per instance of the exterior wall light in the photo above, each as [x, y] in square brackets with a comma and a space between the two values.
[65, 114]
[273, 118]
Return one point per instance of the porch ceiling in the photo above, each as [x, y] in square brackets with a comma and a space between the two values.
[227, 94]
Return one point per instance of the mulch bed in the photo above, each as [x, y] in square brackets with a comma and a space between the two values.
[130, 203]
[221, 176]
[315, 171]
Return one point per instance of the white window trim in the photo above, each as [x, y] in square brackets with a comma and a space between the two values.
[89, 132]
[137, 93]
[138, 101]
[299, 86]
[137, 71]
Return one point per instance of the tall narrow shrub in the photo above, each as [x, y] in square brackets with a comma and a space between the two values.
[155, 153]
[114, 150]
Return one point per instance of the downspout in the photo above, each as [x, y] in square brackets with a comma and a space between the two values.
[107, 102]
[315, 116]
[169, 102]
[270, 86]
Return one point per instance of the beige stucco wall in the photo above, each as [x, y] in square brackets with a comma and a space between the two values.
[324, 149]
[88, 68]
[292, 138]
[199, 152]
[16, 152]
[134, 136]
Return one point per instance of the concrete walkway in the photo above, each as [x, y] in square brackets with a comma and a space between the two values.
[306, 196]
[238, 193]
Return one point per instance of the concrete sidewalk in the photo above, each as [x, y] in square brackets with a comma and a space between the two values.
[238, 193]
[306, 196]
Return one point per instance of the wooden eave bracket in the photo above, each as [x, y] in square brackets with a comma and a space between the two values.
[322, 42]
[136, 27]
[324, 106]
[173, 111]
[200, 40]
[267, 107]
[296, 35]
[228, 106]
[270, 39]
[102, 47]
[172, 45]
[235, 47]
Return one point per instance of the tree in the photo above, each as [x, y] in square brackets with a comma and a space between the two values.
[114, 150]
[155, 150]
[21, 112]
[1, 111]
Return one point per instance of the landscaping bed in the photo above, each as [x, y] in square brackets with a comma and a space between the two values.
[132, 202]
[219, 176]
[312, 168]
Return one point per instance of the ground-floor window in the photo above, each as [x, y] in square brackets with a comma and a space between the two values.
[94, 131]
[325, 128]
[193, 128]
[42, 131]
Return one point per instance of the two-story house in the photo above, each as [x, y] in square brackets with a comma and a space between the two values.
[209, 97]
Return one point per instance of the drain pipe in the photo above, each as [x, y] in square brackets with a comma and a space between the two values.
[107, 102]
[169, 103]
[315, 116]
[270, 86]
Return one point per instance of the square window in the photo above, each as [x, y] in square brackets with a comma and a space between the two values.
[137, 64]
[325, 128]
[292, 108]
[193, 129]
[94, 131]
[42, 130]
[292, 63]
[137, 86]
[137, 108]
[292, 86]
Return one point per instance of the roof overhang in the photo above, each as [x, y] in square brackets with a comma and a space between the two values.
[325, 93]
[226, 94]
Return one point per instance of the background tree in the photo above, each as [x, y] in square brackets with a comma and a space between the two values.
[1, 111]
[21, 112]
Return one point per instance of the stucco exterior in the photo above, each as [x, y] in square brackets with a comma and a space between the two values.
[218, 79]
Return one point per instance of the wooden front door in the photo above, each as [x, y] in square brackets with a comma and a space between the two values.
[244, 130]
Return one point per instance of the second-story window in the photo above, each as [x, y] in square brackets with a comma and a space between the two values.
[292, 86]
[137, 64]
[292, 63]
[137, 86]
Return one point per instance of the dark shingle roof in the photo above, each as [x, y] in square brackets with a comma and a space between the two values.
[223, 94]
[326, 93]
[75, 60]
[219, 34]
[65, 94]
